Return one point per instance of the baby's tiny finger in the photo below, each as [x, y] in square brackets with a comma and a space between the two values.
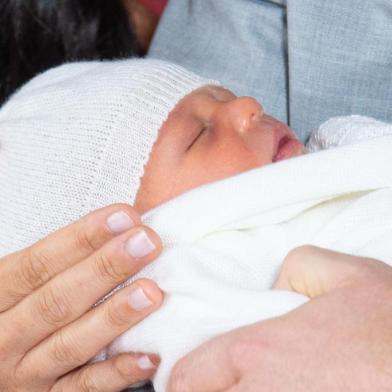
[112, 375]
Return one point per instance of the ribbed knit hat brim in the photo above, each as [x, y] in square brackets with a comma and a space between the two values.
[78, 137]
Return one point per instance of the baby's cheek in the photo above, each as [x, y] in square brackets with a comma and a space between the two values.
[208, 163]
[237, 159]
[222, 162]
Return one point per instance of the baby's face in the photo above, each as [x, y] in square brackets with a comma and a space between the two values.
[210, 135]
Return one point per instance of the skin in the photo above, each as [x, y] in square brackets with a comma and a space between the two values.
[46, 294]
[338, 341]
[211, 134]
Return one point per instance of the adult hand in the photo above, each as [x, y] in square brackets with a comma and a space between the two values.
[339, 341]
[48, 329]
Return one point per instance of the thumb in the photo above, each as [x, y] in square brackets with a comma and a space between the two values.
[315, 271]
[208, 368]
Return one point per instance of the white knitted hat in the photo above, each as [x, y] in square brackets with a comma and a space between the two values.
[77, 137]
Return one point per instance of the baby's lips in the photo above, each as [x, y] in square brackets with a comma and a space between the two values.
[299, 150]
[303, 150]
[291, 148]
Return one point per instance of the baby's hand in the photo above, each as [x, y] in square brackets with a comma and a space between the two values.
[314, 271]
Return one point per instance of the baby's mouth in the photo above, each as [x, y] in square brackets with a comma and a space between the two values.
[287, 145]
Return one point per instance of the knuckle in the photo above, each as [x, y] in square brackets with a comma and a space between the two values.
[86, 383]
[110, 271]
[52, 307]
[84, 241]
[64, 350]
[297, 254]
[34, 268]
[123, 370]
[26, 376]
[178, 379]
[115, 315]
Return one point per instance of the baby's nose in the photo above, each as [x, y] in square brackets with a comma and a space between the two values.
[242, 112]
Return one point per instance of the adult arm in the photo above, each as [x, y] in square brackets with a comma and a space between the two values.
[338, 341]
[49, 330]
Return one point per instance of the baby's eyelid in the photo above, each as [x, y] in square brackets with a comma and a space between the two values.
[203, 128]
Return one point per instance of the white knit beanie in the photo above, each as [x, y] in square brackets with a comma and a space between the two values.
[77, 138]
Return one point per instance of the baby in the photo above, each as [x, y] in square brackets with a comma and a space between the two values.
[83, 135]
[145, 132]
[211, 134]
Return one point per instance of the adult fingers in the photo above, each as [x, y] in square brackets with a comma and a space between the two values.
[112, 375]
[24, 271]
[70, 294]
[78, 342]
[210, 368]
[314, 271]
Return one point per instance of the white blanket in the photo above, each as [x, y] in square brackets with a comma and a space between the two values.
[224, 242]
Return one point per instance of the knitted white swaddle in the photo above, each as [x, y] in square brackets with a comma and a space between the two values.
[223, 242]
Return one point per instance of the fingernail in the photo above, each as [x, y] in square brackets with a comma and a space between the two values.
[140, 245]
[119, 222]
[145, 363]
[137, 300]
